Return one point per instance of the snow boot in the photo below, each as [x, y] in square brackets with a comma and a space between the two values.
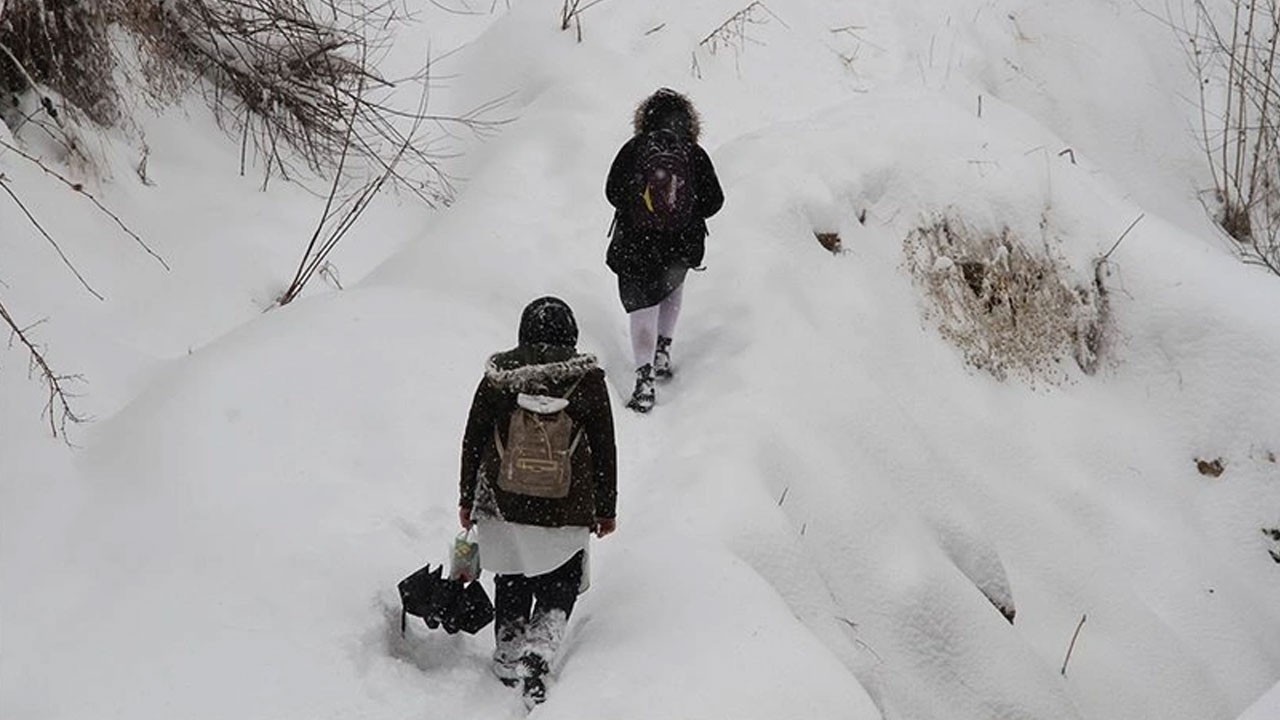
[507, 670]
[535, 687]
[507, 673]
[507, 652]
[643, 397]
[662, 359]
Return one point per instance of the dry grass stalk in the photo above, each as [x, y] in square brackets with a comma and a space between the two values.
[1010, 311]
[571, 14]
[734, 33]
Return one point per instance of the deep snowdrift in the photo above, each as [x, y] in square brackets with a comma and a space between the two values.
[817, 517]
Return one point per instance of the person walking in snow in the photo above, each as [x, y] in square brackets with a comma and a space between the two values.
[663, 187]
[538, 476]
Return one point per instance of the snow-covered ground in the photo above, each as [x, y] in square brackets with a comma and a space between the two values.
[813, 519]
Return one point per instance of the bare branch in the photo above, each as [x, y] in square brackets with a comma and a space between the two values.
[1239, 97]
[4, 184]
[79, 188]
[315, 259]
[58, 407]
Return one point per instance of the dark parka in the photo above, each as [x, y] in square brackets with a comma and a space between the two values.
[651, 264]
[544, 369]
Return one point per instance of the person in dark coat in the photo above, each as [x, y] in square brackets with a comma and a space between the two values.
[651, 264]
[536, 546]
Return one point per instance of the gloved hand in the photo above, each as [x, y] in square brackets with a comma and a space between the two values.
[604, 526]
[464, 517]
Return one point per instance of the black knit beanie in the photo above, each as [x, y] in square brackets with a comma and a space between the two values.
[548, 321]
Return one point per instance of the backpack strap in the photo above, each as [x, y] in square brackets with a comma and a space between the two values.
[574, 386]
[577, 432]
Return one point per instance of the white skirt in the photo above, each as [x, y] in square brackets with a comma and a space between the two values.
[508, 548]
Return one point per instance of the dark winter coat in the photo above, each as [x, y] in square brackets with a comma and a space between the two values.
[651, 264]
[545, 370]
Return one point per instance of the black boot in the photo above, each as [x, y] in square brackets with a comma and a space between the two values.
[507, 664]
[643, 397]
[662, 359]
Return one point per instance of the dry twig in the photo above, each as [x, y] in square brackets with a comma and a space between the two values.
[4, 185]
[733, 32]
[58, 407]
[1072, 646]
[1120, 239]
[79, 188]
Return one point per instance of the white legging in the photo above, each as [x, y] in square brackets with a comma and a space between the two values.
[648, 323]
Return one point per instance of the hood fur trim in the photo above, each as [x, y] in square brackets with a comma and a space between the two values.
[536, 378]
[659, 106]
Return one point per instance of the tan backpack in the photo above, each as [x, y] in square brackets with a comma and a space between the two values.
[538, 456]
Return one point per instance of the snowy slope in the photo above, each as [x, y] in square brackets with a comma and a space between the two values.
[815, 515]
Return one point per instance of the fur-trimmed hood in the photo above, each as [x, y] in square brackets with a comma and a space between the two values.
[667, 109]
[537, 368]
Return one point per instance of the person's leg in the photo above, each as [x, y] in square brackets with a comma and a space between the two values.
[668, 314]
[556, 592]
[644, 342]
[513, 601]
[644, 334]
[558, 589]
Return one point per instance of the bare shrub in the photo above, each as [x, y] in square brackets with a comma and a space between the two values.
[341, 212]
[58, 408]
[1234, 54]
[279, 74]
[63, 45]
[734, 33]
[1010, 310]
[295, 81]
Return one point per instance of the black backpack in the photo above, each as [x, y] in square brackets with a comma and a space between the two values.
[662, 187]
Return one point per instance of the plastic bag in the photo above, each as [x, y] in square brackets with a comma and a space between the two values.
[464, 558]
